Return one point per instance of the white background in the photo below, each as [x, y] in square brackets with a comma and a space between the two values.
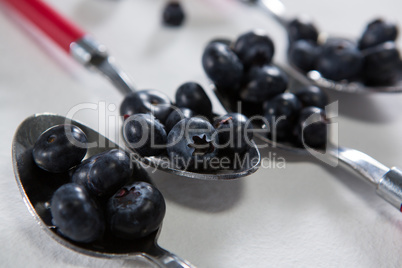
[305, 215]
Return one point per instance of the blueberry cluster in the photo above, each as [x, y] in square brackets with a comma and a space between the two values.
[373, 59]
[187, 133]
[100, 199]
[244, 75]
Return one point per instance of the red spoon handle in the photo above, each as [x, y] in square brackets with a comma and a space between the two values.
[57, 27]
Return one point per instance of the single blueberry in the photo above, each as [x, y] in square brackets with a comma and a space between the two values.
[303, 54]
[312, 96]
[264, 83]
[173, 14]
[339, 59]
[76, 215]
[314, 133]
[250, 109]
[254, 48]
[135, 211]
[105, 173]
[378, 31]
[80, 172]
[381, 64]
[147, 101]
[235, 132]
[176, 116]
[191, 95]
[281, 114]
[226, 41]
[223, 67]
[192, 143]
[60, 148]
[145, 135]
[302, 29]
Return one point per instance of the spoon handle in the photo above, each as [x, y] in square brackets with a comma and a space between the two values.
[274, 8]
[388, 181]
[60, 29]
[166, 259]
[72, 39]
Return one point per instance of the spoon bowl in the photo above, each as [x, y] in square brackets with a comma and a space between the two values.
[92, 54]
[386, 181]
[315, 78]
[277, 10]
[37, 187]
[249, 163]
[230, 105]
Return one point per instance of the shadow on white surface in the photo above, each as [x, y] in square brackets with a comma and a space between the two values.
[52, 253]
[367, 108]
[351, 180]
[207, 196]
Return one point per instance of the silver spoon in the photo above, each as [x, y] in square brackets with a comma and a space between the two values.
[249, 163]
[276, 9]
[94, 55]
[37, 190]
[387, 181]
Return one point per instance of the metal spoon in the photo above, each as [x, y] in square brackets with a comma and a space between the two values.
[276, 9]
[92, 54]
[37, 188]
[387, 181]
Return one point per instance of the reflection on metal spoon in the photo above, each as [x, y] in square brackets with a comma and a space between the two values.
[387, 181]
[37, 188]
[276, 9]
[90, 53]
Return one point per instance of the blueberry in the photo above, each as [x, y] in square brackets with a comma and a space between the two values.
[173, 14]
[222, 66]
[176, 116]
[339, 59]
[60, 148]
[303, 54]
[234, 132]
[314, 134]
[254, 48]
[226, 41]
[192, 142]
[381, 64]
[263, 83]
[378, 31]
[191, 95]
[250, 109]
[302, 29]
[312, 96]
[281, 113]
[144, 134]
[79, 173]
[147, 101]
[105, 173]
[135, 211]
[76, 215]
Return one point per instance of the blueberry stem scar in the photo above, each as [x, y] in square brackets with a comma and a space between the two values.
[201, 146]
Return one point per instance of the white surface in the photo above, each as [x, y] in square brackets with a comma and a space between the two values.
[306, 215]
